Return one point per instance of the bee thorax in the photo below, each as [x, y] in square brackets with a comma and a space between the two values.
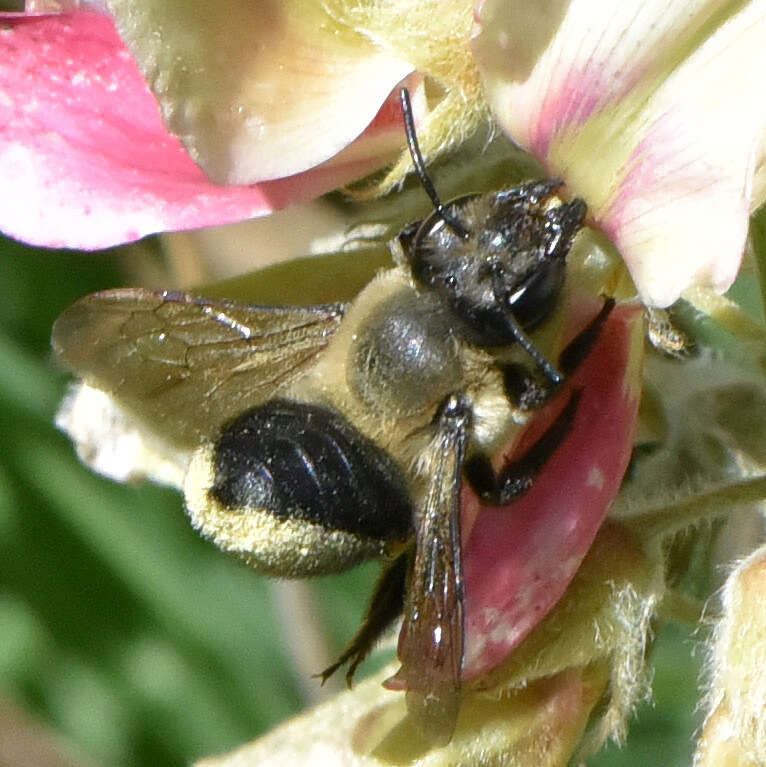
[405, 357]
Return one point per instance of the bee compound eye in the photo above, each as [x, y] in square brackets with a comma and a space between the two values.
[534, 300]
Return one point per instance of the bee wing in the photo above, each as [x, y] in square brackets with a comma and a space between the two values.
[184, 365]
[431, 650]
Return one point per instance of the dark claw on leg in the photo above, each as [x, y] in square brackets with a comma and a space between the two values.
[517, 476]
[579, 348]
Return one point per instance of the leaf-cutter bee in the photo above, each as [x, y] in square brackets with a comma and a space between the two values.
[316, 437]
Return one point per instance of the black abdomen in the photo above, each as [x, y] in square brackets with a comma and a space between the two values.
[300, 461]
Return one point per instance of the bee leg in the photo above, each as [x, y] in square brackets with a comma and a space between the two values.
[385, 607]
[525, 389]
[518, 475]
[528, 391]
[579, 347]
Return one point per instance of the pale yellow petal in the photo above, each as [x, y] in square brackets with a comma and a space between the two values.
[540, 725]
[648, 110]
[257, 89]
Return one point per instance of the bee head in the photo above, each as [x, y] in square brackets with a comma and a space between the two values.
[496, 261]
[509, 258]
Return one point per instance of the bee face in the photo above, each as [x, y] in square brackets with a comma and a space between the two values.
[316, 437]
[512, 259]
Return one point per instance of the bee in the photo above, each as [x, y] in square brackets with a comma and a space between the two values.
[313, 438]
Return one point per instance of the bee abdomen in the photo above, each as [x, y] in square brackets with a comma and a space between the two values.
[306, 462]
[295, 489]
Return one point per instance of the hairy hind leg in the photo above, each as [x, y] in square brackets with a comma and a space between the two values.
[529, 392]
[385, 607]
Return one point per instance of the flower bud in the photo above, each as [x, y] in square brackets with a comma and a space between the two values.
[734, 734]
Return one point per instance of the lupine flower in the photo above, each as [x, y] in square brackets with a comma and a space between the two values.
[91, 163]
[645, 110]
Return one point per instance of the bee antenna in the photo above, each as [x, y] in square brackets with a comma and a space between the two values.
[420, 168]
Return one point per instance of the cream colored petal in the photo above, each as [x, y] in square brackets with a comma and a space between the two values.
[719, 744]
[647, 110]
[86, 159]
[367, 727]
[257, 89]
[112, 443]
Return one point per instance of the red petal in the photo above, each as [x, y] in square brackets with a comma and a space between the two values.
[85, 159]
[519, 560]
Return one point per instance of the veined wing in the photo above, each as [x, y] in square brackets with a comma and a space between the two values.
[431, 650]
[183, 365]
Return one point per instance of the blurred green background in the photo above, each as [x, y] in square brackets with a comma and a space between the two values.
[133, 639]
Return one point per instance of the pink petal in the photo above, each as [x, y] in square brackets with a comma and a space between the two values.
[519, 560]
[647, 110]
[85, 157]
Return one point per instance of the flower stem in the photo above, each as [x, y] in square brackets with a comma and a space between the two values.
[673, 516]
